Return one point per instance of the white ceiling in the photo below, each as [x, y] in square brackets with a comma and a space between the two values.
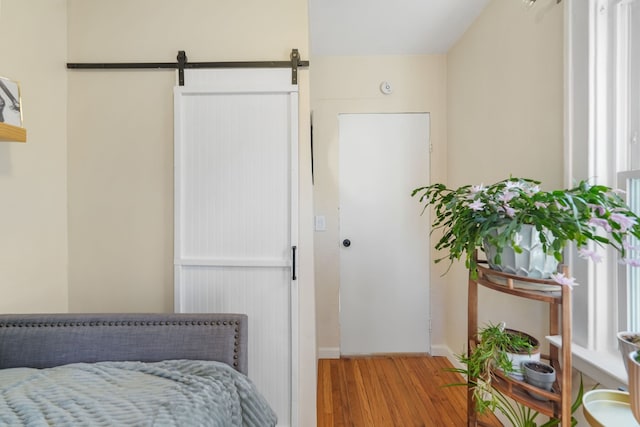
[389, 27]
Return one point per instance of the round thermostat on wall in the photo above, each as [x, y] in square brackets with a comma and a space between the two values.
[385, 87]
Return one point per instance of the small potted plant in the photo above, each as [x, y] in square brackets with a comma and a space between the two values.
[540, 375]
[491, 353]
[498, 348]
[472, 216]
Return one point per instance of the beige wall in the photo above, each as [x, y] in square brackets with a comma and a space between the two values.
[121, 146]
[500, 114]
[121, 133]
[505, 117]
[33, 176]
[496, 109]
[351, 85]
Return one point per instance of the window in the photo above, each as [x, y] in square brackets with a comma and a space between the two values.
[629, 277]
[624, 36]
[603, 146]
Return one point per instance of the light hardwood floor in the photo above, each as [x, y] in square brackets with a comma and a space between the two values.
[392, 391]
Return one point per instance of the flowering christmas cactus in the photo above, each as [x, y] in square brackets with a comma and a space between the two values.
[587, 213]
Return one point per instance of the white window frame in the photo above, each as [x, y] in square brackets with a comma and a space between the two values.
[596, 116]
[629, 320]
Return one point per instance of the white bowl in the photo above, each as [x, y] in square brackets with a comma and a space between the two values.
[603, 408]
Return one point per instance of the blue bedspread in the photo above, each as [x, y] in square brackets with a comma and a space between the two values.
[169, 393]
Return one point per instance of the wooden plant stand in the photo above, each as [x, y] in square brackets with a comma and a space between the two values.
[559, 301]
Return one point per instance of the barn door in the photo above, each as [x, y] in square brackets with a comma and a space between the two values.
[236, 213]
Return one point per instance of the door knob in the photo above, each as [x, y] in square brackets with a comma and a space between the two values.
[346, 243]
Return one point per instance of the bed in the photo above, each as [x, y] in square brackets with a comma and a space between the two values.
[127, 369]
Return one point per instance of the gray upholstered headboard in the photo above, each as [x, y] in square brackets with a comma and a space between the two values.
[46, 340]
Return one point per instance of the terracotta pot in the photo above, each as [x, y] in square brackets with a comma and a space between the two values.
[634, 384]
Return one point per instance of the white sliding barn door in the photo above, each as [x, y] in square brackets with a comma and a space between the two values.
[236, 136]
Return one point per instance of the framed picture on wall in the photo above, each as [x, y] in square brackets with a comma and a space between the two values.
[10, 104]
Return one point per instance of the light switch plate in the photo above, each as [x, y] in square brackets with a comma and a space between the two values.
[321, 224]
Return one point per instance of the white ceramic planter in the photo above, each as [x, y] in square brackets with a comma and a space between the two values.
[518, 358]
[531, 262]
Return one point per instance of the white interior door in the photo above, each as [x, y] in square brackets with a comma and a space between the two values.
[384, 266]
[236, 214]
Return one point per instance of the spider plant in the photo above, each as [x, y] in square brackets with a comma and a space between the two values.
[490, 354]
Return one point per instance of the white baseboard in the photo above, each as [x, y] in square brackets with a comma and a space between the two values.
[328, 353]
[440, 350]
[444, 350]
[436, 350]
